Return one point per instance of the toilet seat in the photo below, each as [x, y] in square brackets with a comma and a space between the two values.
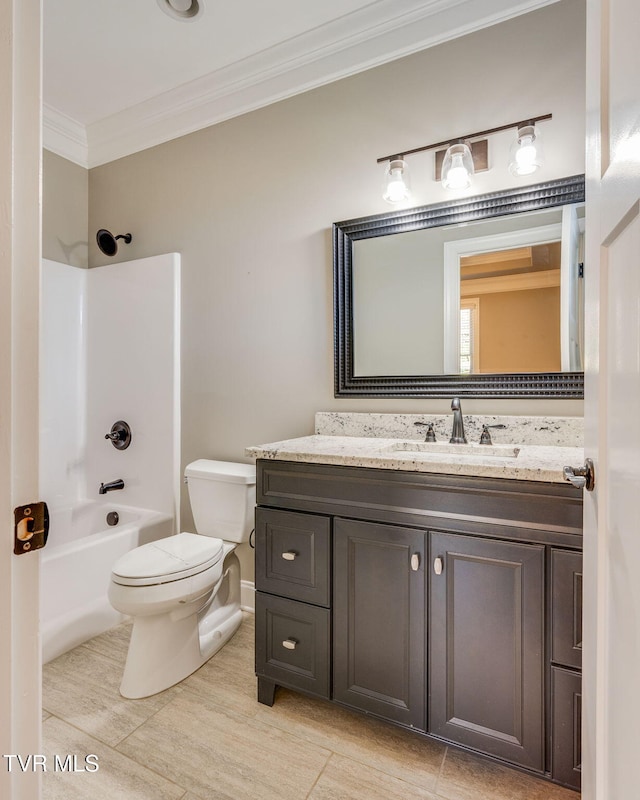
[167, 560]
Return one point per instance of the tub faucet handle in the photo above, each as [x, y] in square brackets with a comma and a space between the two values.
[119, 435]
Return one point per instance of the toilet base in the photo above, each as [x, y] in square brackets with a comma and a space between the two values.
[164, 650]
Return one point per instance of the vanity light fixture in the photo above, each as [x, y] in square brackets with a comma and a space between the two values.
[463, 157]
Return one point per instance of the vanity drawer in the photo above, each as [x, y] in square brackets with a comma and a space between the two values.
[292, 555]
[292, 644]
[566, 608]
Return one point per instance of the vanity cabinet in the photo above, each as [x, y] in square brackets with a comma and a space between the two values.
[445, 604]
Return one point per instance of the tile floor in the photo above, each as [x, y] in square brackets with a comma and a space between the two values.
[208, 739]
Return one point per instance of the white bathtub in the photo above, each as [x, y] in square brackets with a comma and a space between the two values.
[76, 567]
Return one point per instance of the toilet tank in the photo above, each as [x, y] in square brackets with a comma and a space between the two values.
[222, 496]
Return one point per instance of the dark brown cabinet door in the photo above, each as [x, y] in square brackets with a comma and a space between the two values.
[566, 722]
[378, 613]
[486, 655]
[566, 608]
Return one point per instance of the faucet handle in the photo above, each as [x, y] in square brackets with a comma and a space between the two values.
[485, 436]
[119, 435]
[431, 434]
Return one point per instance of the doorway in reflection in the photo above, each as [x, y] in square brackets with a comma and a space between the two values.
[510, 310]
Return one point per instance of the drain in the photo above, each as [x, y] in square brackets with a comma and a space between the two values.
[113, 518]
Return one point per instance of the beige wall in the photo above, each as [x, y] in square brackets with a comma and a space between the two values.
[65, 211]
[249, 204]
[520, 331]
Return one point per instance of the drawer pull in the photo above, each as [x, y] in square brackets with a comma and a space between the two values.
[290, 644]
[415, 562]
[438, 565]
[290, 555]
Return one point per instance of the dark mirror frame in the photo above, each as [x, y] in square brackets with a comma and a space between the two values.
[470, 209]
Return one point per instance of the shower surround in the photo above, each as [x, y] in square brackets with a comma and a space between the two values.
[110, 350]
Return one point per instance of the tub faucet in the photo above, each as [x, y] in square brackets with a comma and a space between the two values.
[457, 434]
[111, 486]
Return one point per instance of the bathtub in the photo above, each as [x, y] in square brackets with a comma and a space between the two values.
[76, 566]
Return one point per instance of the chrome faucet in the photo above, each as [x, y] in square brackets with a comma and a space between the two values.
[457, 434]
[111, 486]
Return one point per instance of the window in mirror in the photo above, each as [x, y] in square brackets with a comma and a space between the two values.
[469, 335]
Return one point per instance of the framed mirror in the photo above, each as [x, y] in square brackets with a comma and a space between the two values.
[476, 297]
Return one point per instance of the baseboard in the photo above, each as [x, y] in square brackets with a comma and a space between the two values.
[248, 596]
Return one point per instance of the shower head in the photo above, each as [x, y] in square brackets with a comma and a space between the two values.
[107, 241]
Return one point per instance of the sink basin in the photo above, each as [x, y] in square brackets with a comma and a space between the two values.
[442, 448]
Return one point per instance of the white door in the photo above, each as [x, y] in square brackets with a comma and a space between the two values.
[20, 158]
[611, 684]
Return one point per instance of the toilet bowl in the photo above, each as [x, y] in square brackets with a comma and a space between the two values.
[183, 592]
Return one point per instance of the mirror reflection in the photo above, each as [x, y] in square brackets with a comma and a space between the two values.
[510, 310]
[496, 296]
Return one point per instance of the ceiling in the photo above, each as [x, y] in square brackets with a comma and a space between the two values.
[121, 76]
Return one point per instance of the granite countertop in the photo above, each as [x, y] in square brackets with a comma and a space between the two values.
[532, 448]
[532, 462]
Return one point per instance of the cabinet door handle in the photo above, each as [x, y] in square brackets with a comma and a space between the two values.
[438, 565]
[415, 562]
[290, 555]
[290, 644]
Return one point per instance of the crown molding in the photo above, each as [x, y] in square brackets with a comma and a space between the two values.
[65, 136]
[380, 32]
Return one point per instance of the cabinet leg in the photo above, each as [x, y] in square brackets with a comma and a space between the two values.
[266, 691]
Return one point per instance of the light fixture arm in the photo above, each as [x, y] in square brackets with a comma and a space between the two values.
[401, 154]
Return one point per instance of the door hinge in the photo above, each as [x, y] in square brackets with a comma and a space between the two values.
[31, 528]
[581, 269]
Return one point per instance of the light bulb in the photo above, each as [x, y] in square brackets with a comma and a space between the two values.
[458, 177]
[526, 156]
[396, 189]
[526, 152]
[457, 167]
[396, 185]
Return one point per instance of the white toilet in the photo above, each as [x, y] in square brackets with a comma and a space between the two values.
[183, 592]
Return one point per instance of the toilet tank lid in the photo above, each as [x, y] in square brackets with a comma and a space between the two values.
[228, 471]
